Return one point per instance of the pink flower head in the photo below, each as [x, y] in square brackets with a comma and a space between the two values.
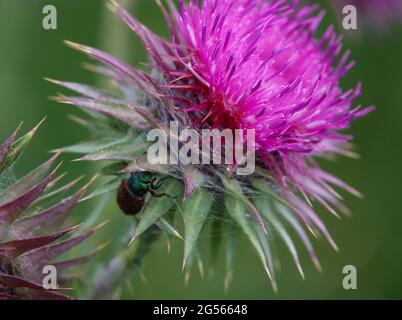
[246, 64]
[256, 64]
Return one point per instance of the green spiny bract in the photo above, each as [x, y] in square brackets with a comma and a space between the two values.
[30, 217]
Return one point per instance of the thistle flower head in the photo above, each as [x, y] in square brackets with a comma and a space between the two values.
[261, 68]
[29, 239]
[256, 64]
[246, 64]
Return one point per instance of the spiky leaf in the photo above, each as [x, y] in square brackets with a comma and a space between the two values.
[158, 207]
[195, 213]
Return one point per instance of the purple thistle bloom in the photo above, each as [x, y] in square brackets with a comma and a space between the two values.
[244, 64]
[255, 64]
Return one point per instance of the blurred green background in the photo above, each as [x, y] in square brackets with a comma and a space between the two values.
[371, 240]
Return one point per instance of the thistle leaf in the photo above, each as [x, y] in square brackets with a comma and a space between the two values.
[158, 207]
[195, 213]
[83, 89]
[118, 66]
[62, 189]
[289, 217]
[283, 209]
[305, 213]
[39, 256]
[17, 148]
[26, 244]
[269, 260]
[50, 218]
[10, 211]
[4, 296]
[78, 261]
[265, 207]
[28, 182]
[93, 146]
[113, 169]
[194, 257]
[236, 208]
[164, 225]
[94, 126]
[5, 147]
[110, 186]
[124, 114]
[16, 282]
[231, 248]
[234, 187]
[264, 188]
[125, 151]
[14, 249]
[217, 233]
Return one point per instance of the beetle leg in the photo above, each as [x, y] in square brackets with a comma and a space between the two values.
[159, 183]
[149, 182]
[157, 195]
[160, 195]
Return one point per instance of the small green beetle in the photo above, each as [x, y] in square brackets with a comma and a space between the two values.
[132, 191]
